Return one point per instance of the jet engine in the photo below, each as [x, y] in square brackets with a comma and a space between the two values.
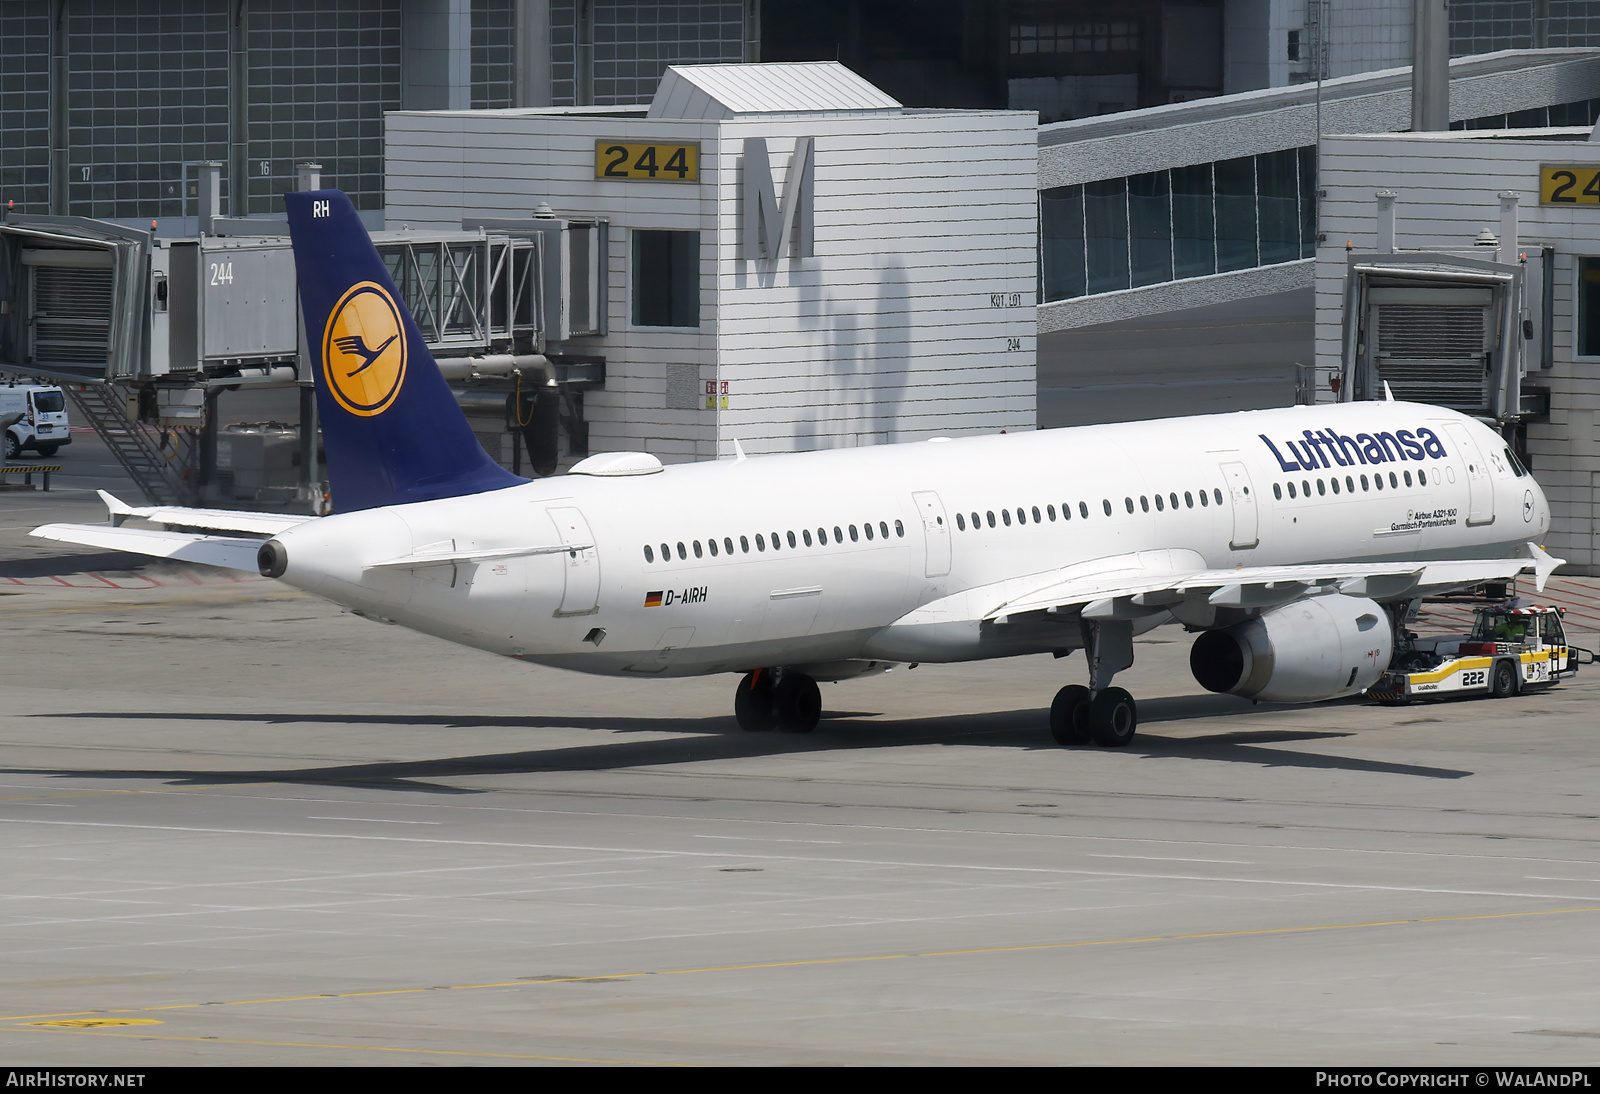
[1319, 647]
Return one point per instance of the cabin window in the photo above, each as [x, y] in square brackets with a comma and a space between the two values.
[1005, 515]
[1292, 494]
[1204, 502]
[1129, 503]
[1408, 478]
[1144, 503]
[1422, 478]
[1335, 484]
[838, 536]
[805, 534]
[1377, 480]
[727, 543]
[822, 537]
[883, 529]
[682, 553]
[1394, 480]
[649, 555]
[1173, 498]
[711, 545]
[1277, 491]
[854, 538]
[1218, 494]
[961, 523]
[1159, 506]
[776, 542]
[899, 530]
[1322, 488]
[761, 544]
[1022, 517]
[1105, 503]
[1038, 519]
[1363, 484]
[1349, 485]
[867, 527]
[697, 553]
[666, 553]
[744, 545]
[991, 518]
[1051, 509]
[1188, 499]
[666, 279]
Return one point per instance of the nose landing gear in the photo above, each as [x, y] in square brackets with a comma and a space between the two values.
[769, 699]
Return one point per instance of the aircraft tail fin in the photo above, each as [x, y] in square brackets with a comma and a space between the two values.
[392, 430]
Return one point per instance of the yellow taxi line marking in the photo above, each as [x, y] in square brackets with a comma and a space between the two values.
[383, 1048]
[813, 962]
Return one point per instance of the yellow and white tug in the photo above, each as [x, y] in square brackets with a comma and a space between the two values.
[1510, 650]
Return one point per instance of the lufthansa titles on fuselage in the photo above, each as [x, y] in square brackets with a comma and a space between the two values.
[1328, 448]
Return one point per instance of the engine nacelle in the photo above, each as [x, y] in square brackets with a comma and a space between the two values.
[1320, 647]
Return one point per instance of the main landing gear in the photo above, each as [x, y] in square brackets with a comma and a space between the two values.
[769, 699]
[1105, 715]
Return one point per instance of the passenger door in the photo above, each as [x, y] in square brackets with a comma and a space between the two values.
[935, 532]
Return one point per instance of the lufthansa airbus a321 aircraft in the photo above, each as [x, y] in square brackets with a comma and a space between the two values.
[1294, 542]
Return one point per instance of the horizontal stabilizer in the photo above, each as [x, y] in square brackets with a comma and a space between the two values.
[212, 520]
[230, 554]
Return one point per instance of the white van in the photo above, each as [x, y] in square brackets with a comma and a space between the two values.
[43, 426]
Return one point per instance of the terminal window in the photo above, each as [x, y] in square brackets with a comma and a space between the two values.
[1588, 307]
[666, 279]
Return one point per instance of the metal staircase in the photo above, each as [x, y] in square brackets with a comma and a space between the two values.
[139, 456]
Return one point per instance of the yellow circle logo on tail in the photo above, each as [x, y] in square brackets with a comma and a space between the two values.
[364, 350]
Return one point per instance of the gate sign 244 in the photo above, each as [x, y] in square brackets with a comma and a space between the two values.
[650, 162]
[1569, 184]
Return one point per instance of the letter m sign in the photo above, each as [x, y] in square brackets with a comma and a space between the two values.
[766, 231]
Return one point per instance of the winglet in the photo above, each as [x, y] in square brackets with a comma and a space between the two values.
[1544, 564]
[1388, 396]
[738, 450]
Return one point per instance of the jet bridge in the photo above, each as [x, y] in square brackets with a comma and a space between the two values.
[1469, 329]
[147, 333]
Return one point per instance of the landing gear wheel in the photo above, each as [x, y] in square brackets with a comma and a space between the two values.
[1069, 716]
[1113, 717]
[13, 449]
[752, 702]
[48, 450]
[797, 703]
[1504, 683]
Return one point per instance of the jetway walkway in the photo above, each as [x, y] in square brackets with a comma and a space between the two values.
[146, 332]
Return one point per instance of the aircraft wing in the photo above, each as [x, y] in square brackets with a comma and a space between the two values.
[232, 554]
[1140, 585]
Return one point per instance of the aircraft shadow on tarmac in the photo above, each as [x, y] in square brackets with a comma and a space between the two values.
[709, 739]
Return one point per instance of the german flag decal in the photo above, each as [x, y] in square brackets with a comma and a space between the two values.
[652, 600]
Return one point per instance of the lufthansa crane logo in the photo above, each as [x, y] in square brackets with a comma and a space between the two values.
[364, 350]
